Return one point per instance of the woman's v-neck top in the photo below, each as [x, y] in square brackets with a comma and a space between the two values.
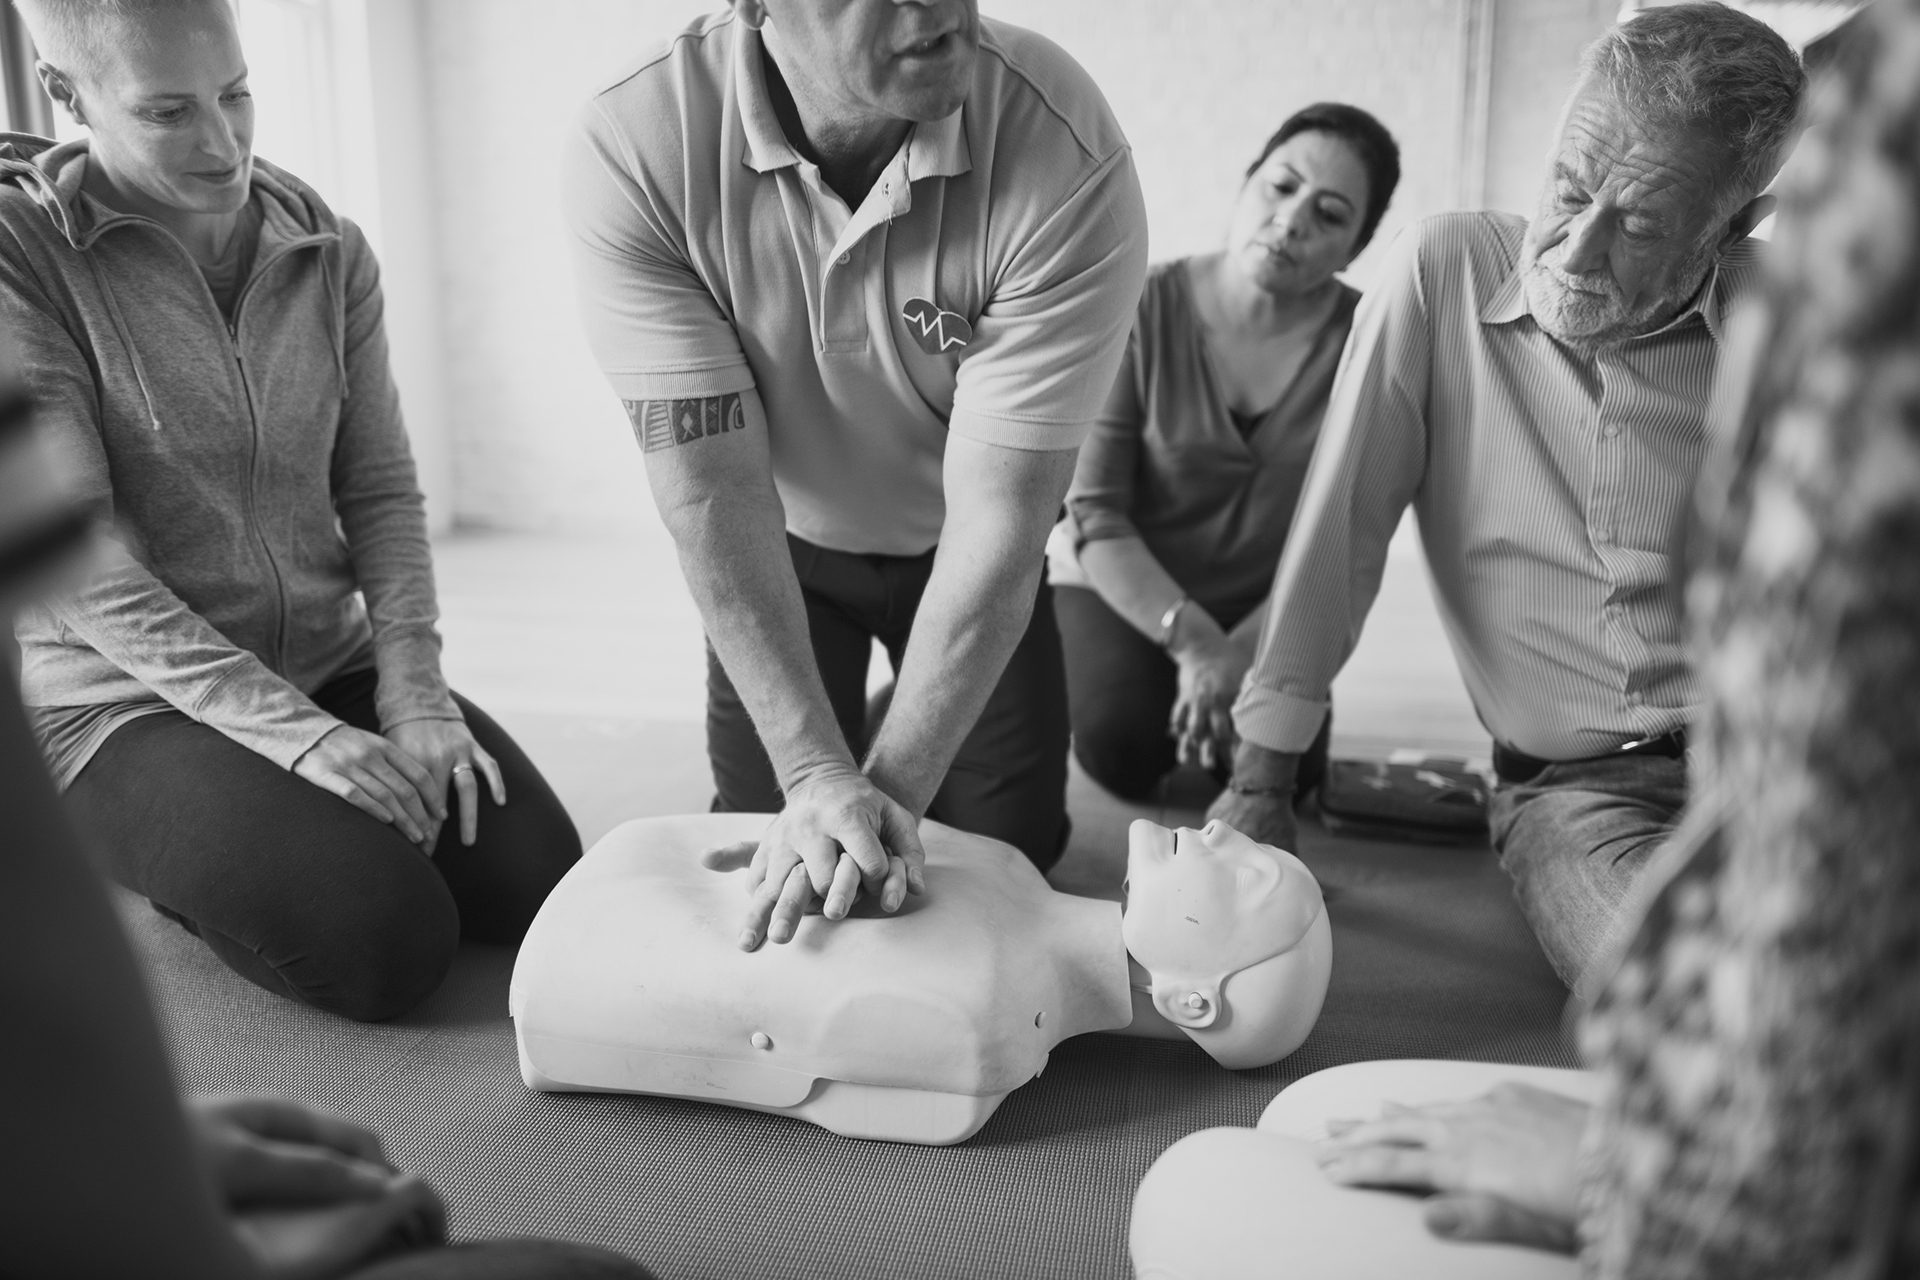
[1168, 463]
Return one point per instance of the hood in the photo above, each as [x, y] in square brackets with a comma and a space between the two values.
[51, 174]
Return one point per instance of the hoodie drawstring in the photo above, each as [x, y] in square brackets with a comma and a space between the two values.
[336, 332]
[125, 335]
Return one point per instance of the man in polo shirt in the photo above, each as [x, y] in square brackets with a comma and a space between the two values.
[862, 272]
[1538, 391]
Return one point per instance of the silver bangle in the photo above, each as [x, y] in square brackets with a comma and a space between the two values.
[1167, 620]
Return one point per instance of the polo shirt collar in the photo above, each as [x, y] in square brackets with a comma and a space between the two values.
[1508, 303]
[767, 146]
[939, 149]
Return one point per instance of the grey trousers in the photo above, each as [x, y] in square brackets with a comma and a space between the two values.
[1574, 839]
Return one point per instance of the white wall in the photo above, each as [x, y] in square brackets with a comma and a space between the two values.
[538, 441]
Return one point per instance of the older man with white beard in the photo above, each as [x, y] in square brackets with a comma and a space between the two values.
[1537, 390]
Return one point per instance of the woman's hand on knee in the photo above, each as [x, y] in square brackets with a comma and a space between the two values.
[446, 749]
[378, 778]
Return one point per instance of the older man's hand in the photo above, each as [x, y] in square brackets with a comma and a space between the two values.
[1502, 1167]
[839, 834]
[1259, 800]
[1268, 819]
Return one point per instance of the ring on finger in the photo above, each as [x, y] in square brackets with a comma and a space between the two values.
[462, 767]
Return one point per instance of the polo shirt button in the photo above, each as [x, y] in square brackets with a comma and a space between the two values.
[845, 258]
[1603, 535]
[1611, 430]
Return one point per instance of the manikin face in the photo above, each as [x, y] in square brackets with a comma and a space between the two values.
[1221, 926]
[873, 61]
[1629, 222]
[170, 114]
[1298, 217]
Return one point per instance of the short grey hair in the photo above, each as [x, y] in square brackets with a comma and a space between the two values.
[1720, 75]
[74, 36]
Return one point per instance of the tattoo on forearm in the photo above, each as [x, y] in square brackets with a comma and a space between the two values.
[662, 424]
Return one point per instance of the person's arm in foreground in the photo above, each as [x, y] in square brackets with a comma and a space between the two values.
[105, 1174]
[376, 493]
[1368, 465]
[1135, 585]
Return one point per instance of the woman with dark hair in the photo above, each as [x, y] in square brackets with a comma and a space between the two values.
[1186, 487]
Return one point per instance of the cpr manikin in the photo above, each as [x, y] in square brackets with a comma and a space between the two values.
[911, 1027]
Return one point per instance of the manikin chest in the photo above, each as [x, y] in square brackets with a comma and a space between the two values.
[911, 1027]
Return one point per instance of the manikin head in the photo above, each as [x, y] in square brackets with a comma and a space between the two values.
[161, 85]
[1233, 936]
[1680, 119]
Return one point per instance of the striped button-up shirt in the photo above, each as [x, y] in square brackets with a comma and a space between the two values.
[1549, 486]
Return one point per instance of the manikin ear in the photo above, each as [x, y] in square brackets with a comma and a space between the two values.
[1192, 1005]
[752, 13]
[1751, 215]
[59, 87]
[1256, 878]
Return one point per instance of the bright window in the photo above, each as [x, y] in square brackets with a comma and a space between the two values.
[290, 65]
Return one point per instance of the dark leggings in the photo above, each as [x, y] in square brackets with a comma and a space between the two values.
[1120, 693]
[295, 889]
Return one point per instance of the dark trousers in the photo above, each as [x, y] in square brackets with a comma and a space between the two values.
[1009, 780]
[295, 889]
[1121, 688]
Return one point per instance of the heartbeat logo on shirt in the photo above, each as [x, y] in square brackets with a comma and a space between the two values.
[935, 330]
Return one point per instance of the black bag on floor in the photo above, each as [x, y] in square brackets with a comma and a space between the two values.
[1434, 799]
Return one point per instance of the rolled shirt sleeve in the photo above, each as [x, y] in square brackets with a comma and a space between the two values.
[1049, 341]
[1370, 463]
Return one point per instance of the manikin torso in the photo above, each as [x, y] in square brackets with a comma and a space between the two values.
[911, 1027]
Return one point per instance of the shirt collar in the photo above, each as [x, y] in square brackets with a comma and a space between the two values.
[767, 146]
[1508, 303]
[935, 150]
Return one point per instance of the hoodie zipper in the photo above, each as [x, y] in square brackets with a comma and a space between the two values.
[254, 274]
[252, 507]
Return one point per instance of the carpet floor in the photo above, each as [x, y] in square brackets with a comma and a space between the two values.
[1430, 960]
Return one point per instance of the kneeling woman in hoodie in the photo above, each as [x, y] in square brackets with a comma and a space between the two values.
[245, 702]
